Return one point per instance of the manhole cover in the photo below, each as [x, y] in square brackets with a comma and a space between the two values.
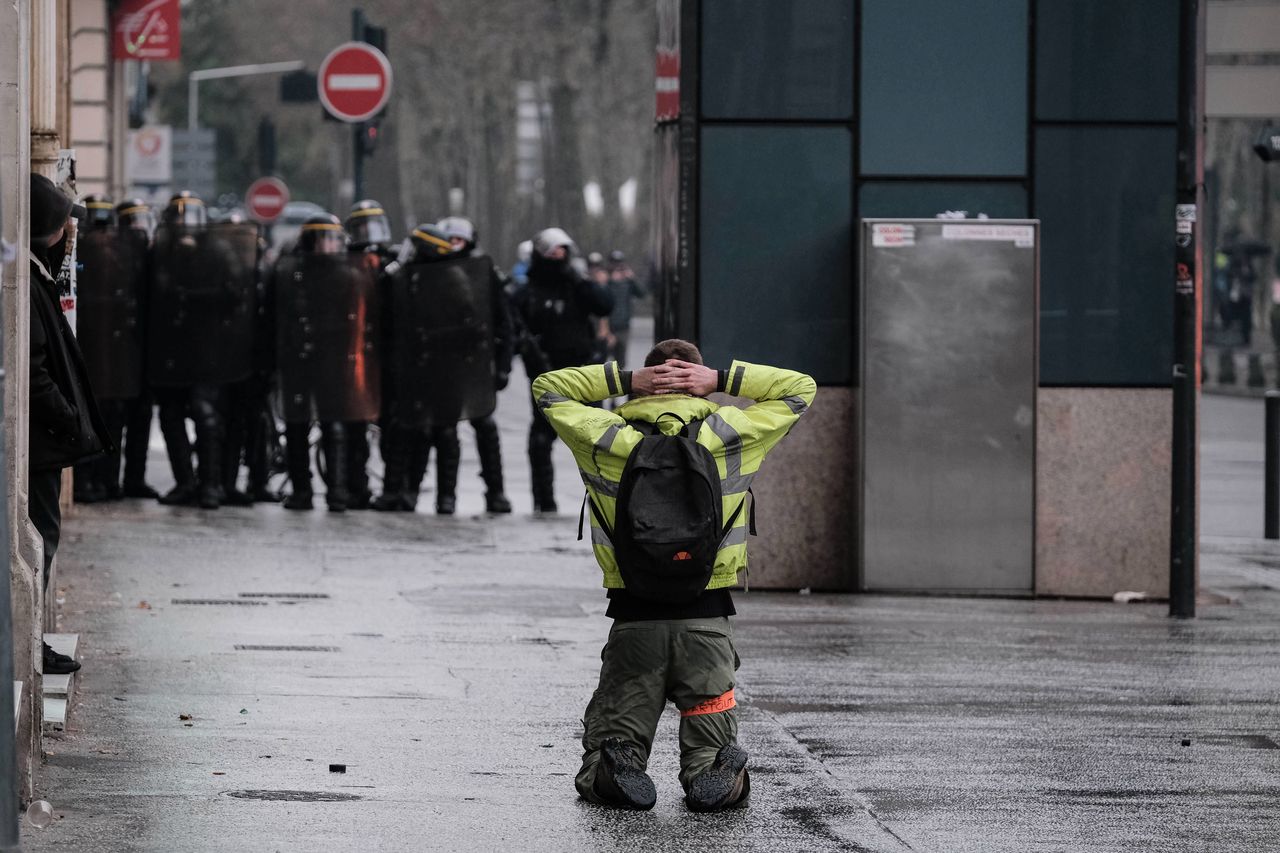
[295, 796]
[246, 648]
[284, 595]
[236, 601]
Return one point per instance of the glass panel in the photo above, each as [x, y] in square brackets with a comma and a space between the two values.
[944, 87]
[775, 281]
[1105, 197]
[1105, 60]
[903, 200]
[764, 59]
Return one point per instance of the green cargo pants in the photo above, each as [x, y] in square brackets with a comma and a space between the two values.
[690, 662]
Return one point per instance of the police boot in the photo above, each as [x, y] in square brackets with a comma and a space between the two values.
[542, 473]
[335, 454]
[358, 465]
[620, 777]
[448, 455]
[395, 472]
[173, 427]
[262, 441]
[723, 785]
[137, 440]
[419, 442]
[209, 458]
[297, 452]
[209, 429]
[489, 448]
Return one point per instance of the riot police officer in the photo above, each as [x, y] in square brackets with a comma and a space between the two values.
[199, 337]
[369, 236]
[106, 270]
[327, 328]
[462, 237]
[556, 308]
[443, 367]
[136, 220]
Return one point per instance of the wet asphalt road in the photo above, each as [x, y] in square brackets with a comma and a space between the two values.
[446, 663]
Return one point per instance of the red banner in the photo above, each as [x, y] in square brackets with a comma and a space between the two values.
[147, 29]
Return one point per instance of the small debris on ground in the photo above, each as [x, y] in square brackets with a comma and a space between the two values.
[184, 716]
[337, 768]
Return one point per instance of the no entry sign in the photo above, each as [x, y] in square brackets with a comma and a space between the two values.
[266, 199]
[354, 81]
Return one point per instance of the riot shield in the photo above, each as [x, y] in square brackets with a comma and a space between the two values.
[327, 327]
[201, 315]
[109, 325]
[442, 330]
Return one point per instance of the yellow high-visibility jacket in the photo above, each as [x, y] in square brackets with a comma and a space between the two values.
[602, 441]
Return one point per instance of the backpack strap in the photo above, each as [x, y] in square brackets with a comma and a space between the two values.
[752, 521]
[595, 511]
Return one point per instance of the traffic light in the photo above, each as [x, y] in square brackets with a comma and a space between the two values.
[1268, 145]
[369, 133]
[266, 146]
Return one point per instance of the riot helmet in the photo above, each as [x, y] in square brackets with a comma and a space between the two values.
[460, 231]
[430, 243]
[136, 214]
[595, 259]
[185, 209]
[322, 235]
[524, 252]
[617, 257]
[101, 213]
[367, 225]
[553, 251]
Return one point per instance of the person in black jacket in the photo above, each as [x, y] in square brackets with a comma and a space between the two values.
[556, 307]
[65, 425]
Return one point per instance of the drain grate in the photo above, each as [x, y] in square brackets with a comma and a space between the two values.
[284, 595]
[248, 648]
[232, 601]
[295, 796]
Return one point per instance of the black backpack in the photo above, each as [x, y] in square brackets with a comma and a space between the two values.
[667, 528]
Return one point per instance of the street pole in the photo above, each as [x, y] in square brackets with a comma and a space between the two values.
[1183, 556]
[194, 78]
[357, 129]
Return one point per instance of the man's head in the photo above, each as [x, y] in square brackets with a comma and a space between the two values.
[672, 348]
[322, 235]
[50, 210]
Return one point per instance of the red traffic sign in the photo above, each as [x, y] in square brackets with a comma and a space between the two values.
[266, 199]
[354, 81]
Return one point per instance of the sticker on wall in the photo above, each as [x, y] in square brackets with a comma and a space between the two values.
[1186, 226]
[1186, 212]
[891, 235]
[1022, 236]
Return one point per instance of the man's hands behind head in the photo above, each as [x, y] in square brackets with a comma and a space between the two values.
[674, 377]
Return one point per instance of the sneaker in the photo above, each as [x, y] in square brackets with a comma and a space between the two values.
[56, 663]
[496, 503]
[298, 500]
[620, 779]
[723, 785]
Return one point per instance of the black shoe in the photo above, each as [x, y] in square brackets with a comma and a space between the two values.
[89, 494]
[620, 779]
[210, 497]
[545, 507]
[723, 785]
[359, 501]
[184, 495]
[497, 503]
[392, 502]
[446, 505]
[235, 497]
[56, 663]
[113, 494]
[264, 495]
[298, 500]
[336, 503]
[139, 490]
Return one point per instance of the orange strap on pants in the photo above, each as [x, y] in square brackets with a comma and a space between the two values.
[718, 705]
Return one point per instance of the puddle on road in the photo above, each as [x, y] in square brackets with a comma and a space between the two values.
[294, 796]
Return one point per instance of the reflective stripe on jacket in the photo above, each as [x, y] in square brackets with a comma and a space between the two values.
[602, 441]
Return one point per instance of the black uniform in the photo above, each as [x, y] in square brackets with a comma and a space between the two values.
[556, 308]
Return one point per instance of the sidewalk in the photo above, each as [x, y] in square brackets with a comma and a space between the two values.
[446, 663]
